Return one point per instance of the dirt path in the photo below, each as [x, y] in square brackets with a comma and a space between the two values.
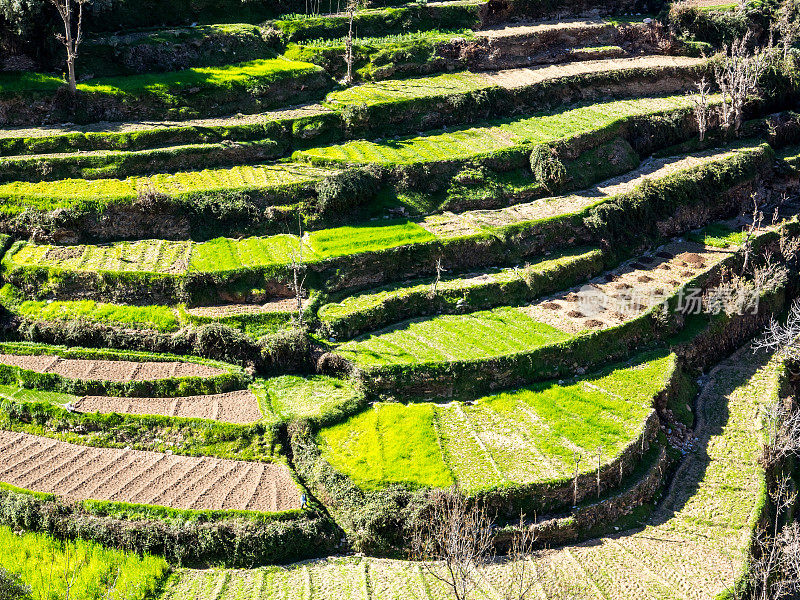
[692, 548]
[234, 407]
[533, 29]
[475, 221]
[108, 370]
[79, 473]
[282, 305]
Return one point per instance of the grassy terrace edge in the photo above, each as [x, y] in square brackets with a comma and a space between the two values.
[468, 377]
[233, 377]
[378, 254]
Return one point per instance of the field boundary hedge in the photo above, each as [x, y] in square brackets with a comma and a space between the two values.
[240, 541]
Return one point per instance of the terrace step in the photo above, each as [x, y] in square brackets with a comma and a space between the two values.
[122, 135]
[108, 370]
[106, 164]
[524, 439]
[376, 309]
[449, 225]
[154, 322]
[544, 42]
[124, 208]
[620, 295]
[454, 356]
[233, 407]
[406, 98]
[89, 372]
[140, 477]
[694, 546]
[339, 256]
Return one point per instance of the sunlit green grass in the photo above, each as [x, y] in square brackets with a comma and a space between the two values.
[224, 254]
[11, 392]
[522, 436]
[72, 193]
[475, 142]
[293, 397]
[398, 89]
[478, 335]
[226, 77]
[91, 571]
[388, 443]
[340, 241]
[718, 236]
[161, 318]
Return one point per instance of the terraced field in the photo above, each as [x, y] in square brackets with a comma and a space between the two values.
[258, 307]
[519, 437]
[232, 407]
[132, 476]
[107, 370]
[619, 296]
[691, 548]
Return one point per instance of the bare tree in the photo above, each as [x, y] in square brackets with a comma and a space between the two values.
[701, 107]
[352, 8]
[577, 458]
[783, 338]
[435, 285]
[522, 571]
[298, 275]
[73, 34]
[787, 25]
[738, 75]
[454, 540]
[774, 572]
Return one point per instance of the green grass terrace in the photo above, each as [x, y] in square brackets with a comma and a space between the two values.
[513, 438]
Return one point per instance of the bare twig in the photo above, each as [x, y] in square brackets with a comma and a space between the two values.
[454, 541]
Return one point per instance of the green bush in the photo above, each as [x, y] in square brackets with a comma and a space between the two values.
[344, 192]
[547, 167]
[12, 587]
[287, 351]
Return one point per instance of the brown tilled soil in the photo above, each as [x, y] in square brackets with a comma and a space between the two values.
[183, 482]
[514, 78]
[234, 407]
[628, 291]
[108, 370]
[282, 305]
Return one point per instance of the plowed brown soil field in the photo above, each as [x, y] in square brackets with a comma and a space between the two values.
[108, 370]
[233, 407]
[80, 473]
